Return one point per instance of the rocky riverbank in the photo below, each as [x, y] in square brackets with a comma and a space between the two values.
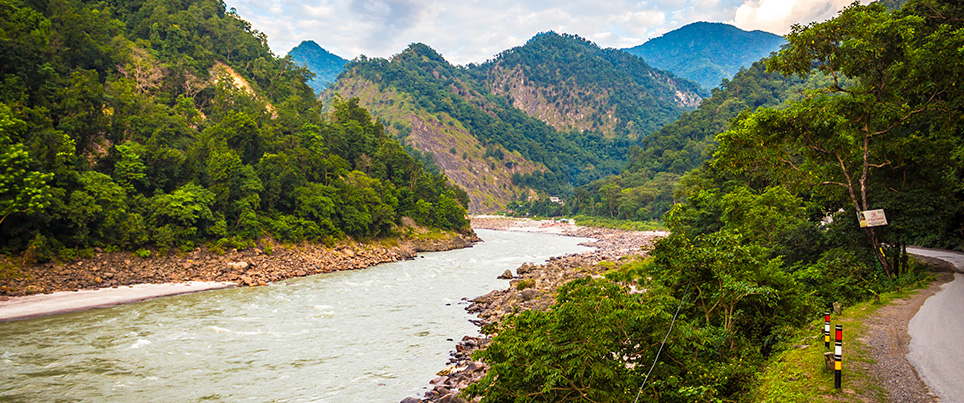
[531, 287]
[250, 267]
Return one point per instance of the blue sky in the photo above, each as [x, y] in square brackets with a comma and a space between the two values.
[466, 31]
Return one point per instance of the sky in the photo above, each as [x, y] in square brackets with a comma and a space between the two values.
[473, 31]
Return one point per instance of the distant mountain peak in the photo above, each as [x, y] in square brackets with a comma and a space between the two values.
[325, 65]
[707, 52]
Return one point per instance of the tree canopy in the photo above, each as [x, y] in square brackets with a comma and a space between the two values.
[170, 124]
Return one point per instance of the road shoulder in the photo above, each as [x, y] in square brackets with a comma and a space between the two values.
[886, 339]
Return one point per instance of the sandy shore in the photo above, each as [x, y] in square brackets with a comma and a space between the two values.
[32, 306]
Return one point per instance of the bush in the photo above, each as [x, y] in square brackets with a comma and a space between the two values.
[142, 253]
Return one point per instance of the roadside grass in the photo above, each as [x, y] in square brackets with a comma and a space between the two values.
[798, 374]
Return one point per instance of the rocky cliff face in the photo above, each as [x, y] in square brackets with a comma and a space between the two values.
[576, 109]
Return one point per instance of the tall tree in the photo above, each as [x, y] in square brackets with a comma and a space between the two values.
[887, 94]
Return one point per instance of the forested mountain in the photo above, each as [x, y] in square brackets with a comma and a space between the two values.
[325, 65]
[707, 52]
[171, 124]
[572, 84]
[552, 114]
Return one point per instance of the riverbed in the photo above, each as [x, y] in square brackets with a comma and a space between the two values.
[377, 334]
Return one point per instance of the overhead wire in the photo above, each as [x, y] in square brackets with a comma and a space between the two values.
[663, 343]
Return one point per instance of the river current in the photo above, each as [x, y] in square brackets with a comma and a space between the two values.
[372, 335]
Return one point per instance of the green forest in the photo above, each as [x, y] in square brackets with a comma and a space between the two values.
[168, 125]
[764, 233]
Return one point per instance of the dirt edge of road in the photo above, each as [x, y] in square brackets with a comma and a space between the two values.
[887, 340]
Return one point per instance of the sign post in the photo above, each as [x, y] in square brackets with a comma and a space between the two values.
[871, 218]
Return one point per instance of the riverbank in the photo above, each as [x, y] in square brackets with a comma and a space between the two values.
[531, 287]
[251, 267]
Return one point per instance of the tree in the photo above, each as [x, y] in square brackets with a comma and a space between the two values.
[589, 348]
[22, 190]
[886, 91]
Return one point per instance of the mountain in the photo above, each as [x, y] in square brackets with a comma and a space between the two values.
[707, 52]
[556, 113]
[572, 84]
[325, 65]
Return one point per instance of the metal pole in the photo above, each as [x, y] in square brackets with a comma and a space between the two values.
[838, 356]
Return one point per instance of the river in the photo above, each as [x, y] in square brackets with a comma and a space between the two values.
[373, 335]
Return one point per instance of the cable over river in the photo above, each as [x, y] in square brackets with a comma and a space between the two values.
[376, 335]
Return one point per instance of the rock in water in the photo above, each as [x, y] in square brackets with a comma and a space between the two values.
[506, 275]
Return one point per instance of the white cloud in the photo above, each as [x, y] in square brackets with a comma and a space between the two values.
[321, 11]
[778, 15]
[465, 31]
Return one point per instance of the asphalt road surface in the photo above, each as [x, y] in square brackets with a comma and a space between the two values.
[937, 333]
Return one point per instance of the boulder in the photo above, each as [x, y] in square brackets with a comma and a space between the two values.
[237, 265]
[506, 275]
[529, 294]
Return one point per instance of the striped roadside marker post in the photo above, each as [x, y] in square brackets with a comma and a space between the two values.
[837, 356]
[826, 330]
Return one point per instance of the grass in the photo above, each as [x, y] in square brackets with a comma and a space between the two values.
[798, 373]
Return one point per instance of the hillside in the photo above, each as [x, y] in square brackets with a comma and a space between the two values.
[162, 126]
[428, 105]
[707, 52]
[512, 126]
[325, 65]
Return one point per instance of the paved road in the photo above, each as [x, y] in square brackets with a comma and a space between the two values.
[937, 333]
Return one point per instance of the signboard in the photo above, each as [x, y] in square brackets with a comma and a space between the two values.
[872, 218]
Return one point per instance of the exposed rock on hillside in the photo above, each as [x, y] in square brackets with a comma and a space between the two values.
[487, 179]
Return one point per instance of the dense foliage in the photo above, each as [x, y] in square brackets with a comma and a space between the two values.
[703, 51]
[322, 63]
[766, 237]
[129, 124]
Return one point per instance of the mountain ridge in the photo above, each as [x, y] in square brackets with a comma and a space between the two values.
[701, 51]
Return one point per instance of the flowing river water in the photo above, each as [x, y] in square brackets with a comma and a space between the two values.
[373, 335]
